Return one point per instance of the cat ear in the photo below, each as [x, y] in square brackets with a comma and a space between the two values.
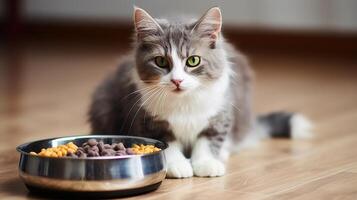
[144, 24]
[209, 25]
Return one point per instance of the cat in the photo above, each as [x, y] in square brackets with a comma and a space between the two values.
[185, 85]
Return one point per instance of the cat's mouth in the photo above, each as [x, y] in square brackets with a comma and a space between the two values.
[177, 90]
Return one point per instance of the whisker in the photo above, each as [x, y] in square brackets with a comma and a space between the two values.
[152, 94]
[127, 116]
[139, 90]
[160, 100]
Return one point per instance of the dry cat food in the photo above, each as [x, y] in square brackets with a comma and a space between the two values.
[60, 151]
[142, 149]
[93, 148]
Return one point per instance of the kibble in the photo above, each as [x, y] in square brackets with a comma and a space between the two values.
[93, 148]
[143, 149]
[59, 151]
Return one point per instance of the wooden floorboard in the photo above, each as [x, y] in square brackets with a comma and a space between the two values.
[46, 93]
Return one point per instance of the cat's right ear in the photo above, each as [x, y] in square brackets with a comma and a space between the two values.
[144, 24]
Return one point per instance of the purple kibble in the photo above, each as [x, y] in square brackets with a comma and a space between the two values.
[113, 145]
[121, 146]
[118, 153]
[79, 151]
[92, 142]
[108, 152]
[70, 154]
[82, 155]
[86, 148]
[100, 146]
[105, 152]
[122, 151]
[129, 151]
[91, 153]
[94, 148]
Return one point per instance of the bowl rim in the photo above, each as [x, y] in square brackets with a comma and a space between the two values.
[21, 146]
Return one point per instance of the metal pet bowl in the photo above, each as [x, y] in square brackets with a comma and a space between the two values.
[97, 177]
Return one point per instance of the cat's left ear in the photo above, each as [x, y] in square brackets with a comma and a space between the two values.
[144, 24]
[209, 25]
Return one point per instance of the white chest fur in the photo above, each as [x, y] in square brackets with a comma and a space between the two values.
[189, 114]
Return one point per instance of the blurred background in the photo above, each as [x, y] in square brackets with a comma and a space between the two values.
[54, 53]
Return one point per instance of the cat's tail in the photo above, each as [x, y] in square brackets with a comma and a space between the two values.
[278, 125]
[283, 125]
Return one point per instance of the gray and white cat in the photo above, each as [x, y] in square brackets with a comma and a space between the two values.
[185, 85]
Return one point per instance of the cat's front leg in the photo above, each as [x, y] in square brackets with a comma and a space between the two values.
[206, 160]
[212, 147]
[178, 166]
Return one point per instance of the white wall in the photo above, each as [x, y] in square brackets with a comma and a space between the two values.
[331, 15]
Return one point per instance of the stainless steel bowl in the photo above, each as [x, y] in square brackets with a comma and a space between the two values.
[94, 176]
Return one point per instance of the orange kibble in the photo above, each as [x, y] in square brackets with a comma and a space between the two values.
[72, 145]
[70, 151]
[58, 151]
[48, 154]
[64, 151]
[142, 149]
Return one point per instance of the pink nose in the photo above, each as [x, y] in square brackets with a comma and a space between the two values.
[177, 82]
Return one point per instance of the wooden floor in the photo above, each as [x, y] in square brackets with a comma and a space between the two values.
[45, 91]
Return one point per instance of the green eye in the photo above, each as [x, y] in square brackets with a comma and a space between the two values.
[161, 61]
[193, 61]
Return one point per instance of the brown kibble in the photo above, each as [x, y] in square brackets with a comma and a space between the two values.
[105, 152]
[91, 153]
[113, 145]
[83, 155]
[92, 142]
[120, 153]
[130, 151]
[119, 146]
[94, 148]
[100, 146]
[86, 148]
[108, 152]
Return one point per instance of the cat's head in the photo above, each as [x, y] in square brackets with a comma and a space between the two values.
[179, 56]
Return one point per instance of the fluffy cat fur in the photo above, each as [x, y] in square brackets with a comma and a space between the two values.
[203, 112]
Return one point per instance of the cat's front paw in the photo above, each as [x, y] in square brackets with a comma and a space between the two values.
[208, 167]
[179, 169]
